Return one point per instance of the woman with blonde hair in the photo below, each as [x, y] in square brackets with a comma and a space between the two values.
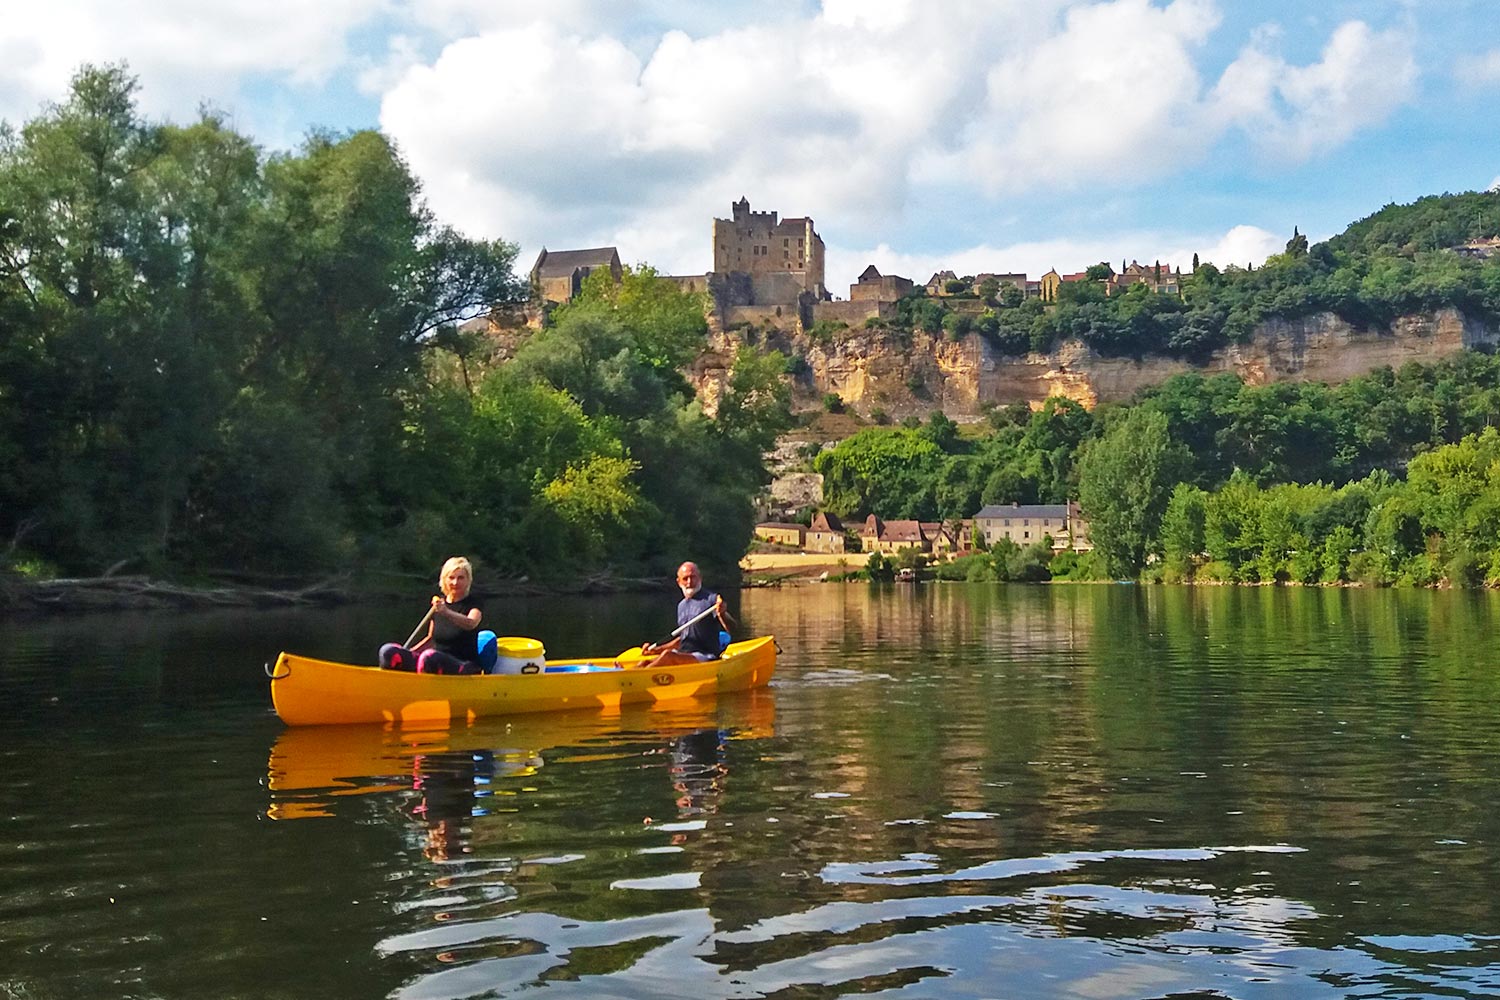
[451, 645]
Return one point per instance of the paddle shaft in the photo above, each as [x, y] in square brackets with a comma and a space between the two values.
[420, 626]
[689, 624]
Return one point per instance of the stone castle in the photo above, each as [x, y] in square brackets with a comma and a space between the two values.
[769, 271]
[765, 270]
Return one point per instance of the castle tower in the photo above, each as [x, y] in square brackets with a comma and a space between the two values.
[757, 243]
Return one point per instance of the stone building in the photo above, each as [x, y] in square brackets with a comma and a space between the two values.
[1027, 524]
[890, 537]
[1162, 280]
[558, 275]
[785, 533]
[1050, 282]
[757, 244]
[874, 286]
[826, 533]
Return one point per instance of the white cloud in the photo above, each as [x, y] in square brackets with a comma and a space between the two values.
[581, 122]
[1494, 185]
[570, 132]
[1479, 70]
[183, 50]
[1240, 246]
[1301, 111]
[1113, 94]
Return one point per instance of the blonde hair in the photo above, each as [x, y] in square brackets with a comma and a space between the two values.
[457, 562]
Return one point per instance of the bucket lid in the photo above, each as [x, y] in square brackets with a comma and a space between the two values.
[511, 645]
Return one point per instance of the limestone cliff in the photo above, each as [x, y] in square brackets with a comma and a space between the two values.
[870, 369]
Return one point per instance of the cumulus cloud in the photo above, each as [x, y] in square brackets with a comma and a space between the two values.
[1479, 70]
[1115, 88]
[566, 130]
[182, 50]
[1299, 111]
[580, 122]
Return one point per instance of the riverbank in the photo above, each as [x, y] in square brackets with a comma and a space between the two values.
[130, 593]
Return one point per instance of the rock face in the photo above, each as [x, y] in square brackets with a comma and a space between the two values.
[871, 369]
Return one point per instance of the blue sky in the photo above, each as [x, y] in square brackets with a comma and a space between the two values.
[1003, 135]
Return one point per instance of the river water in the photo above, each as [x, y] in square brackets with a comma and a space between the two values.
[949, 791]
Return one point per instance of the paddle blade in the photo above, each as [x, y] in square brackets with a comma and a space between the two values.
[634, 657]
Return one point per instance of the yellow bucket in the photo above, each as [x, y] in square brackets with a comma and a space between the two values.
[518, 655]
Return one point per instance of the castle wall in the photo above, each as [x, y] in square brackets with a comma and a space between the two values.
[779, 316]
[777, 287]
[853, 313]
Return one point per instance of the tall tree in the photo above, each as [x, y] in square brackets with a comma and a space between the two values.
[1125, 480]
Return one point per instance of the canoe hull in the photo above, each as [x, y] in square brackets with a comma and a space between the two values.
[309, 692]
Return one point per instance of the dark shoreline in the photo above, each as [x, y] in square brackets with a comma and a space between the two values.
[128, 593]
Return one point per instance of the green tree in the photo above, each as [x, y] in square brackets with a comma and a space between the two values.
[1182, 529]
[1125, 480]
[886, 471]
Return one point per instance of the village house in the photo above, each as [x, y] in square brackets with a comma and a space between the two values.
[1482, 249]
[941, 539]
[877, 535]
[1017, 281]
[826, 533]
[1162, 280]
[1050, 282]
[937, 285]
[781, 533]
[1027, 524]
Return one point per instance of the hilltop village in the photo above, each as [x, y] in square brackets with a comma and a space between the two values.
[770, 271]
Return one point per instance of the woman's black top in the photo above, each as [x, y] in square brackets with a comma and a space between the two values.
[449, 638]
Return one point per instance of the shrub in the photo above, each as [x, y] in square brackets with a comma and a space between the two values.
[825, 331]
[1465, 570]
[974, 568]
[1367, 569]
[1069, 565]
[1215, 571]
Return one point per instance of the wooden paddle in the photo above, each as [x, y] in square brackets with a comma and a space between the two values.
[420, 626]
[638, 653]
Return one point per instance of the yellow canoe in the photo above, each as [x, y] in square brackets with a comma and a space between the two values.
[310, 692]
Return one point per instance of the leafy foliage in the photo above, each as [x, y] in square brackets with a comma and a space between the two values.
[212, 359]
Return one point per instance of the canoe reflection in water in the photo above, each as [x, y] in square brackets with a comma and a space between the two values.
[448, 777]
